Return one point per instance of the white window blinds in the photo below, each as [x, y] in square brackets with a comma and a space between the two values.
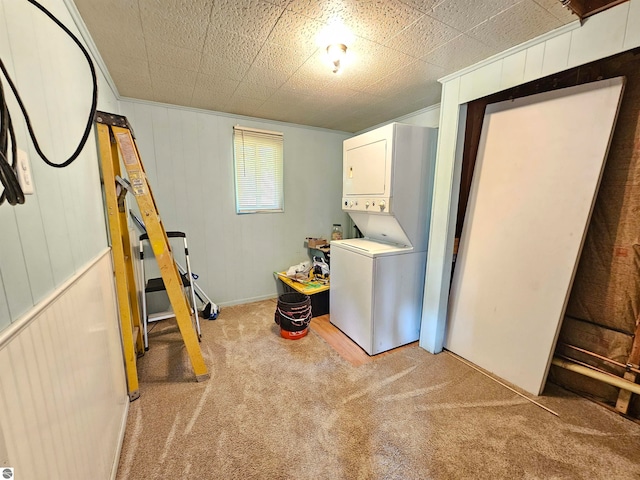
[258, 161]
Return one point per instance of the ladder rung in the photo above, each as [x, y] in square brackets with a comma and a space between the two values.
[157, 284]
[156, 317]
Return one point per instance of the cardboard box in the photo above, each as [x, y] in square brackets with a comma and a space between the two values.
[316, 242]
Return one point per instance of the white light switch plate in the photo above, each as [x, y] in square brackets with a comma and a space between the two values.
[24, 173]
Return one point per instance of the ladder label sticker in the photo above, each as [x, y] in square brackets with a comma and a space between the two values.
[138, 183]
[126, 148]
[158, 247]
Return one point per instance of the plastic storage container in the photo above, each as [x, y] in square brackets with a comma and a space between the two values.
[336, 232]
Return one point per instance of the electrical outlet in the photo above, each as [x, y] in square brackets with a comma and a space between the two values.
[24, 173]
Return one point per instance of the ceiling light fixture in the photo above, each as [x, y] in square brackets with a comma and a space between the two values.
[337, 53]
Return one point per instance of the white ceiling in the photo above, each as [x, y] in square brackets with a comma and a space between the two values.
[260, 57]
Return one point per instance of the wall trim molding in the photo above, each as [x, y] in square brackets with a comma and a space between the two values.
[118, 452]
[244, 301]
[23, 322]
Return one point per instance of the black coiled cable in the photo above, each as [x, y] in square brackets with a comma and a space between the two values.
[12, 192]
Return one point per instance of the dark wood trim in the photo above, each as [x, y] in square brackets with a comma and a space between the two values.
[586, 8]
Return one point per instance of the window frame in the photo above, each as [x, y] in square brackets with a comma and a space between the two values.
[244, 139]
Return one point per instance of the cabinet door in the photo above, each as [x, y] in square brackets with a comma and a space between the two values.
[350, 295]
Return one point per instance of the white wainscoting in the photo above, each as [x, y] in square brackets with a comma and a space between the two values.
[63, 398]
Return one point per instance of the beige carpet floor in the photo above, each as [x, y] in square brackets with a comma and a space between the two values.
[294, 409]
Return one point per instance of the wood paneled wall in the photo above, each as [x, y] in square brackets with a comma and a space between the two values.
[60, 228]
[188, 156]
[62, 390]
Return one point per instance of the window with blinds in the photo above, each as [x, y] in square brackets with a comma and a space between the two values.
[258, 157]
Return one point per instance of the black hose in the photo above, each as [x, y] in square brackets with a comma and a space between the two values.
[12, 191]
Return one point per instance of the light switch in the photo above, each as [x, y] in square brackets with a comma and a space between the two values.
[24, 173]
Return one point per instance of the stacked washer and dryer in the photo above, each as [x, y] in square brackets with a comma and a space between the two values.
[377, 282]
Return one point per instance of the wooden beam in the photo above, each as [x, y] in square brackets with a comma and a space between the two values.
[586, 8]
[624, 397]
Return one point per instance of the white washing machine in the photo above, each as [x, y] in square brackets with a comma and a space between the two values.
[376, 293]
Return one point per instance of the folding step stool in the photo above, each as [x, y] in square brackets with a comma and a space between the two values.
[157, 285]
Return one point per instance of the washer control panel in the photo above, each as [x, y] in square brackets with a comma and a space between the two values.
[371, 205]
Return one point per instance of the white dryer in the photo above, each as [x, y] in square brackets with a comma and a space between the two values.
[377, 282]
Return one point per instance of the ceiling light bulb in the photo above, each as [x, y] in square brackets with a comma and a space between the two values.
[336, 52]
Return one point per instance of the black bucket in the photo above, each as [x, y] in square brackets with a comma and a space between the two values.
[293, 312]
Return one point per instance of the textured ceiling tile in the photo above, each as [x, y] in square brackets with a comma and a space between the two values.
[114, 25]
[412, 79]
[173, 96]
[363, 58]
[367, 65]
[459, 53]
[346, 123]
[114, 21]
[256, 58]
[108, 11]
[424, 35]
[292, 112]
[466, 14]
[142, 91]
[296, 32]
[370, 62]
[186, 31]
[374, 20]
[313, 75]
[164, 75]
[289, 102]
[238, 101]
[228, 54]
[247, 17]
[361, 100]
[270, 109]
[244, 105]
[212, 94]
[408, 102]
[564, 14]
[231, 45]
[213, 65]
[254, 90]
[520, 23]
[136, 86]
[177, 8]
[265, 76]
[281, 59]
[167, 54]
[211, 102]
[122, 68]
[424, 6]
[320, 103]
[110, 43]
[215, 85]
[323, 11]
[379, 20]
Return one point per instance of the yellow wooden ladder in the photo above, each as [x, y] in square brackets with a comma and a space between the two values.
[116, 139]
